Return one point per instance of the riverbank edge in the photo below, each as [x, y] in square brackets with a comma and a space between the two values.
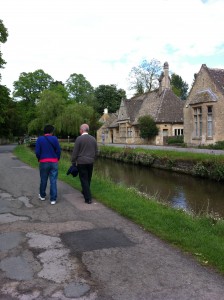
[201, 236]
[198, 165]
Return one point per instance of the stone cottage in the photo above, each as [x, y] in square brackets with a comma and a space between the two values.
[162, 105]
[204, 108]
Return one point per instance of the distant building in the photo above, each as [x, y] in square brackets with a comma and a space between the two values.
[162, 105]
[204, 108]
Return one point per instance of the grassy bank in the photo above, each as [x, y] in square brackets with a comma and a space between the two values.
[172, 155]
[203, 236]
[196, 164]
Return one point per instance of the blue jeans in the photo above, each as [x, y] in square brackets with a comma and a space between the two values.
[48, 170]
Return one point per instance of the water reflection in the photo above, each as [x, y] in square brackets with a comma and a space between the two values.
[179, 190]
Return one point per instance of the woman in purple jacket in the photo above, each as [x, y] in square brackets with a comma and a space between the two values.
[48, 153]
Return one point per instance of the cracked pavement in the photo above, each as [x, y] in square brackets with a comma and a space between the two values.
[72, 250]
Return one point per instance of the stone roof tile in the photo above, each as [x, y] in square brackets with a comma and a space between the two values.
[218, 77]
[164, 107]
[203, 97]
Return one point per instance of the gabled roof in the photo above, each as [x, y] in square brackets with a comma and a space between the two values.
[170, 109]
[203, 97]
[123, 112]
[108, 119]
[161, 104]
[217, 75]
[207, 95]
[113, 120]
[165, 107]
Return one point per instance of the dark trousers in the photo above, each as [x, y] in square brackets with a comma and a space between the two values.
[85, 175]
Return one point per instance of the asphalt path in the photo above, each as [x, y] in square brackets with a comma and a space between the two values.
[74, 250]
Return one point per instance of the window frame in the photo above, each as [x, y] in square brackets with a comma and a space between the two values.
[197, 117]
[210, 127]
[178, 131]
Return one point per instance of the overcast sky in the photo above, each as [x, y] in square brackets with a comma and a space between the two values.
[104, 39]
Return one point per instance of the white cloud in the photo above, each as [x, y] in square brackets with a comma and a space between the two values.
[103, 40]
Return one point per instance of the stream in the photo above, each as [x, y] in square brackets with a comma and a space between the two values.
[181, 191]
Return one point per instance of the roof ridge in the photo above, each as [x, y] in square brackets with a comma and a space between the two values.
[161, 101]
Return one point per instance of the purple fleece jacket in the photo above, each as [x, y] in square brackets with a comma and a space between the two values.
[45, 152]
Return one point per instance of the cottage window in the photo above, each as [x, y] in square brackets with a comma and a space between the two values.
[209, 122]
[179, 131]
[129, 132]
[122, 131]
[198, 121]
[165, 132]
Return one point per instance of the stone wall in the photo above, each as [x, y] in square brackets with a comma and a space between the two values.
[203, 82]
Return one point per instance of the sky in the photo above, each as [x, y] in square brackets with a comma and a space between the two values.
[104, 39]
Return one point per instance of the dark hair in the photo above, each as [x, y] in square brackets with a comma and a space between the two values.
[48, 129]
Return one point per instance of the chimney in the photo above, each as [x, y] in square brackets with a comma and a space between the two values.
[105, 116]
[164, 78]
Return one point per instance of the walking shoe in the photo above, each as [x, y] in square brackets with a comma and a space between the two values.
[88, 201]
[41, 198]
[53, 202]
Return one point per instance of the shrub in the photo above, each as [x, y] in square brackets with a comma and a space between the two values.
[175, 140]
[217, 172]
[147, 126]
[200, 170]
[217, 146]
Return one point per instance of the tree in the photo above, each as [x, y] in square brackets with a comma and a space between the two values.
[179, 87]
[50, 106]
[59, 87]
[5, 126]
[30, 85]
[108, 96]
[73, 116]
[26, 113]
[66, 116]
[28, 89]
[147, 127]
[5, 98]
[10, 115]
[144, 78]
[3, 39]
[79, 89]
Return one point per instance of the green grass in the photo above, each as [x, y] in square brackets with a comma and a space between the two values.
[160, 153]
[167, 154]
[202, 236]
